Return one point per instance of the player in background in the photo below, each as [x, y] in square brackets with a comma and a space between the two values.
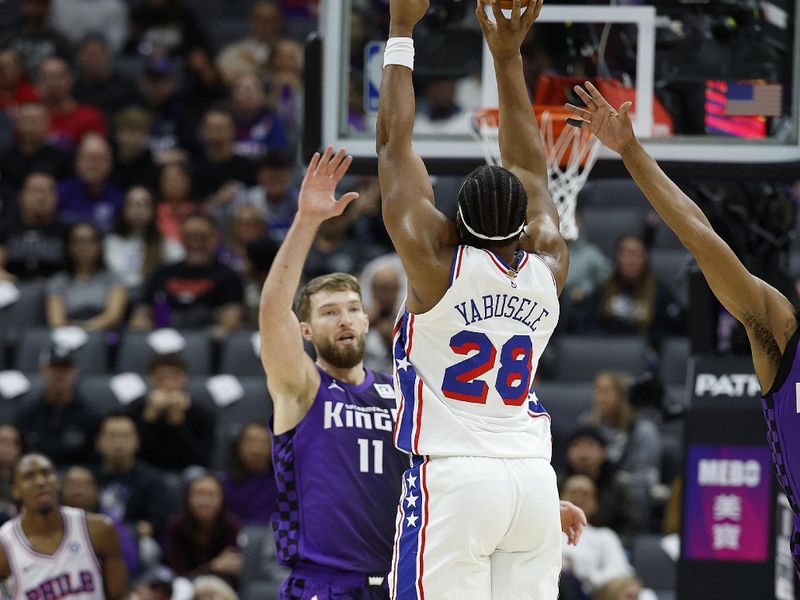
[479, 516]
[50, 551]
[768, 317]
[336, 467]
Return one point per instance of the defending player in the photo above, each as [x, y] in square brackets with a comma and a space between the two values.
[50, 551]
[479, 517]
[768, 317]
[337, 470]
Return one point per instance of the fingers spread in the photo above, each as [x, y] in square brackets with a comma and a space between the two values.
[342, 167]
[587, 99]
[323, 162]
[348, 197]
[312, 165]
[581, 112]
[515, 12]
[334, 163]
[483, 18]
[596, 95]
[498, 14]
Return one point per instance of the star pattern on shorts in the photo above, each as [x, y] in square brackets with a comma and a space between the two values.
[403, 364]
[411, 520]
[412, 482]
[412, 500]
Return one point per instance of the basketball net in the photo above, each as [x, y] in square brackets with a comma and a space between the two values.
[570, 152]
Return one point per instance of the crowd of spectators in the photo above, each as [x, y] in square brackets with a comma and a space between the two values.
[149, 179]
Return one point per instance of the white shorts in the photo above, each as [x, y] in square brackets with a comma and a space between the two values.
[477, 528]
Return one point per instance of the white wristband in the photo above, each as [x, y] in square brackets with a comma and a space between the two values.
[399, 51]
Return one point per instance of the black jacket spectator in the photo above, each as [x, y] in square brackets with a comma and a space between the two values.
[59, 424]
[30, 151]
[32, 238]
[175, 431]
[196, 292]
[130, 491]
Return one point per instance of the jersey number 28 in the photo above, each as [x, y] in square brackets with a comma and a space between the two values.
[462, 380]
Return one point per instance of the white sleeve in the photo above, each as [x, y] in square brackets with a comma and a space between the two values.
[613, 562]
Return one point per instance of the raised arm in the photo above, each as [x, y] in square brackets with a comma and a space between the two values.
[420, 233]
[521, 148]
[766, 314]
[291, 376]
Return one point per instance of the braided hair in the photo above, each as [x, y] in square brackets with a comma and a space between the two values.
[493, 203]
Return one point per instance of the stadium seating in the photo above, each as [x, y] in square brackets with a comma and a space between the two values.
[135, 353]
[675, 353]
[92, 357]
[580, 357]
[239, 356]
[10, 406]
[613, 193]
[26, 312]
[653, 566]
[565, 402]
[605, 227]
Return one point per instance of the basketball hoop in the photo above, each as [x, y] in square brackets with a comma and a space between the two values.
[571, 153]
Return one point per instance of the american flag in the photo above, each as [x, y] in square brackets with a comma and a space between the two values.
[754, 99]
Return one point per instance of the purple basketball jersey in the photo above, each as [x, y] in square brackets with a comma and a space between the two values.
[339, 478]
[781, 406]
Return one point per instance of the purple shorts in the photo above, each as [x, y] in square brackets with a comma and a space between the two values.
[309, 581]
[782, 434]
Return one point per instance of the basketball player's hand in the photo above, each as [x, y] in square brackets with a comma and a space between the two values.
[612, 127]
[573, 520]
[404, 14]
[317, 201]
[505, 36]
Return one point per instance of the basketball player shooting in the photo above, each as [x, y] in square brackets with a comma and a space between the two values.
[479, 516]
[768, 317]
[51, 551]
[337, 471]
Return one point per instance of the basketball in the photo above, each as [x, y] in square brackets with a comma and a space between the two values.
[509, 4]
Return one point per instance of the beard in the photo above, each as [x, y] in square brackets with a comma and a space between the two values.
[341, 357]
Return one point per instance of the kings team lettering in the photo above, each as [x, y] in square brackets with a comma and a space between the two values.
[339, 414]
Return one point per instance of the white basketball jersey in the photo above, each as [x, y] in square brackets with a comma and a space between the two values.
[464, 370]
[72, 571]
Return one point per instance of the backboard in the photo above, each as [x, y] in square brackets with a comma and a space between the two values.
[729, 99]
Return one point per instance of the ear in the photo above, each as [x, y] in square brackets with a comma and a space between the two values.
[306, 331]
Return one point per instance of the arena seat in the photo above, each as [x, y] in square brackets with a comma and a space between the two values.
[23, 314]
[613, 192]
[653, 566]
[604, 226]
[671, 449]
[670, 267]
[580, 357]
[675, 352]
[239, 357]
[135, 354]
[92, 357]
[565, 402]
[664, 238]
[10, 406]
[260, 590]
[252, 542]
[256, 405]
[95, 391]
